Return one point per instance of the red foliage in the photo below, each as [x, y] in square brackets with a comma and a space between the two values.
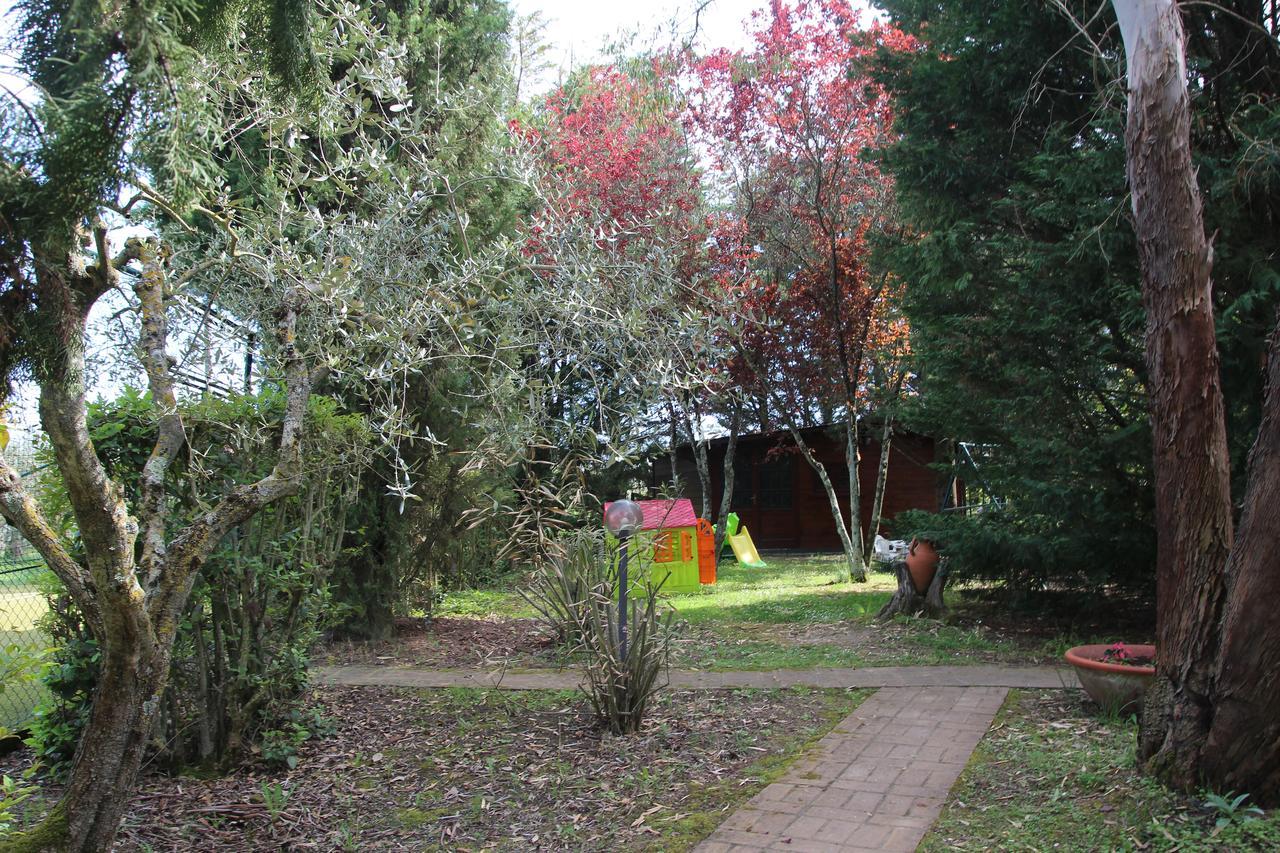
[617, 151]
[789, 128]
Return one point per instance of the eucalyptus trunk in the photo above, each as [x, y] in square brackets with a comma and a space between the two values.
[853, 555]
[851, 536]
[698, 442]
[726, 492]
[1209, 717]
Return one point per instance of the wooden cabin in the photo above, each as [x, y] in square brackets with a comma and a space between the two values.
[778, 496]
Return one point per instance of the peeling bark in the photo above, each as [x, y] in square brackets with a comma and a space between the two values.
[1209, 715]
[854, 549]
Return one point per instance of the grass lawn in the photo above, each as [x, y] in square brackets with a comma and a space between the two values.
[800, 612]
[1052, 775]
[22, 644]
[494, 770]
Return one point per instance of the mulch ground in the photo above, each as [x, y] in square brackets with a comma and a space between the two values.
[473, 770]
[449, 643]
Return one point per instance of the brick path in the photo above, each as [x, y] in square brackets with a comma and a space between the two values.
[876, 782]
[1029, 677]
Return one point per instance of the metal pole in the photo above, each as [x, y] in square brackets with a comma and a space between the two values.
[622, 595]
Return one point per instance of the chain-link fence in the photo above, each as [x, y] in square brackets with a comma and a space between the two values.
[23, 578]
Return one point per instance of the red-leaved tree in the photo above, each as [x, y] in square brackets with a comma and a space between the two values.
[622, 181]
[788, 130]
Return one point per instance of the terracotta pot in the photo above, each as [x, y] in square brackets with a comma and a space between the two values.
[922, 563]
[1112, 685]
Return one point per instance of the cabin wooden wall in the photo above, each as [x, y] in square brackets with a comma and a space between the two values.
[807, 523]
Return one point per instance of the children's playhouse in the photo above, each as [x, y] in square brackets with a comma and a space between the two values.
[682, 544]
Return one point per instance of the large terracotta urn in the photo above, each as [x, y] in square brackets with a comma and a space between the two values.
[922, 564]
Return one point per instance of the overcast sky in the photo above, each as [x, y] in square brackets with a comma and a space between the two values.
[577, 30]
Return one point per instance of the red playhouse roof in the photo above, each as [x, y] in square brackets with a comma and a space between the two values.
[665, 514]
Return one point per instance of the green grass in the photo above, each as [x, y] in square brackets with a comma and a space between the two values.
[22, 645]
[936, 645]
[1050, 776]
[740, 655]
[793, 589]
[750, 619]
[487, 602]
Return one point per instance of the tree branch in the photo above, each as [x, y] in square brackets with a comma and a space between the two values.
[21, 511]
[192, 547]
[152, 511]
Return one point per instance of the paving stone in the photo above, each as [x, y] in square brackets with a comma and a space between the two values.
[877, 782]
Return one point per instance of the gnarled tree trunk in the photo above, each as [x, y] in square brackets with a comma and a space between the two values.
[1209, 717]
[138, 578]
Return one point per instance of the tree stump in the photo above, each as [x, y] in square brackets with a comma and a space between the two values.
[908, 601]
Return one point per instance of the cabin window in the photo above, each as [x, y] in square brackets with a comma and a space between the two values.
[663, 552]
[775, 484]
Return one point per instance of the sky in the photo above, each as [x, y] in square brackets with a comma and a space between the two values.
[578, 29]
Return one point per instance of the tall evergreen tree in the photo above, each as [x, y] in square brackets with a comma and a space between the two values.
[1022, 274]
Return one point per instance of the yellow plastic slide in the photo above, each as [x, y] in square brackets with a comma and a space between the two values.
[740, 541]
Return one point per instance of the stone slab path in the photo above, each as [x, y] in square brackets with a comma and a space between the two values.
[1028, 677]
[876, 782]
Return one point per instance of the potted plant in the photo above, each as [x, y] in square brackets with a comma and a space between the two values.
[1115, 676]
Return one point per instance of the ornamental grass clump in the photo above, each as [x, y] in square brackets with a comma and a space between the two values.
[563, 585]
[620, 685]
[575, 593]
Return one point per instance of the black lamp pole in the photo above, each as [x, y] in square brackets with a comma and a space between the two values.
[623, 518]
[623, 538]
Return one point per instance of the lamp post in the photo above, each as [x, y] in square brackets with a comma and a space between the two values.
[623, 518]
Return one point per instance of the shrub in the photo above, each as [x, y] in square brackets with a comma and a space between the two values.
[240, 660]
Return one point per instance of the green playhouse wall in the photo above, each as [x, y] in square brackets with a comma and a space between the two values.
[640, 559]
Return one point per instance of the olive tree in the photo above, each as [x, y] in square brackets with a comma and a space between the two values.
[226, 181]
